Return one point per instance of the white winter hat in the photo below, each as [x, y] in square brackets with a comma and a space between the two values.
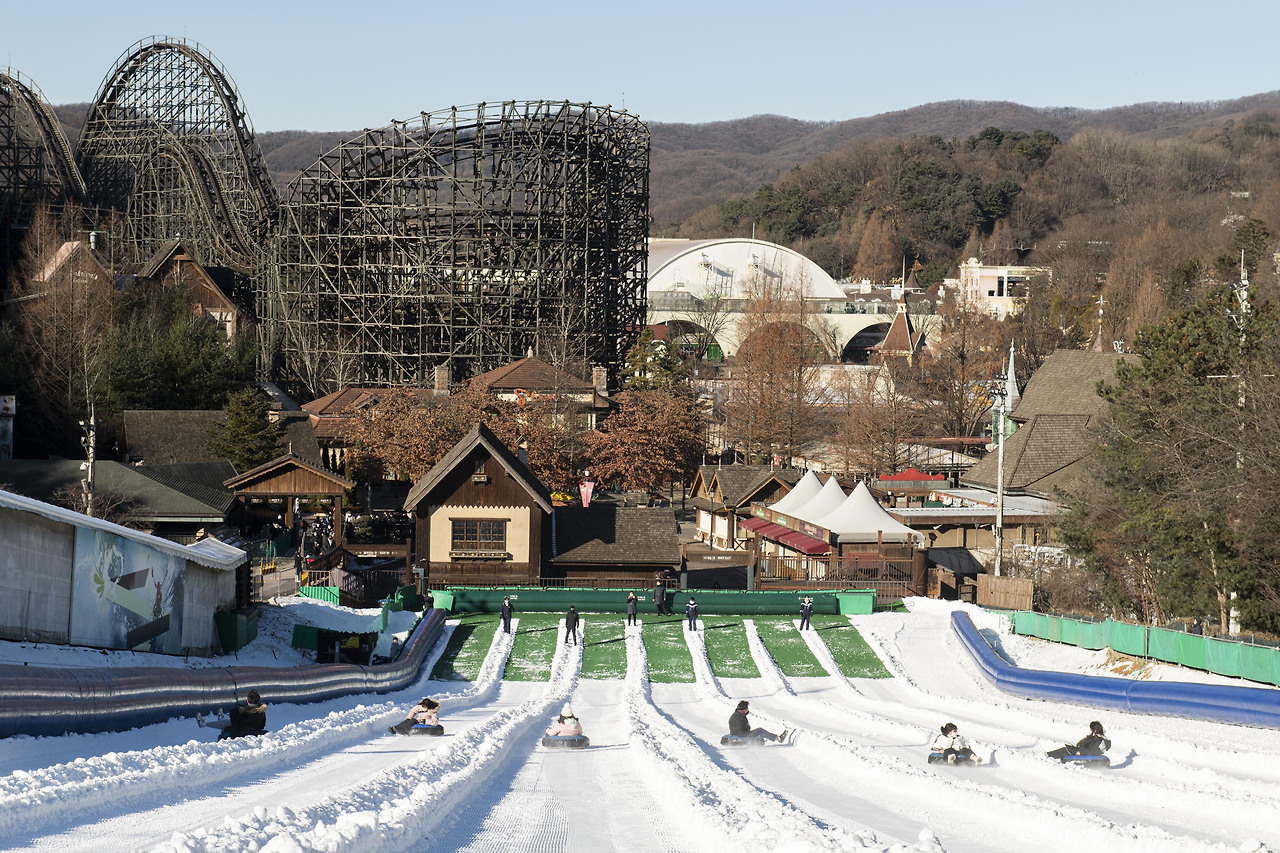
[567, 711]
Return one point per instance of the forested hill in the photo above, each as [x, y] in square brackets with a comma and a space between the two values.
[695, 166]
[698, 165]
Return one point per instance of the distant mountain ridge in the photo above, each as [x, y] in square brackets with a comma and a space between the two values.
[694, 166]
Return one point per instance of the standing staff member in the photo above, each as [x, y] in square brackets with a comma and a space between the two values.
[571, 625]
[691, 611]
[632, 604]
[660, 598]
[806, 610]
[505, 610]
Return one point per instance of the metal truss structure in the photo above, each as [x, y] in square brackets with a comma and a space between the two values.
[167, 142]
[35, 162]
[465, 237]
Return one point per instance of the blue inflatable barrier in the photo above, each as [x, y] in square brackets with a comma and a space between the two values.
[565, 741]
[50, 701]
[1251, 706]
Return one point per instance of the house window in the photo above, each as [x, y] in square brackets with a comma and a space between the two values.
[479, 536]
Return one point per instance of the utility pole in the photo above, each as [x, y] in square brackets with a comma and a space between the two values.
[999, 530]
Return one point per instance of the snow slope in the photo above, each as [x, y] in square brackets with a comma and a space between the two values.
[329, 777]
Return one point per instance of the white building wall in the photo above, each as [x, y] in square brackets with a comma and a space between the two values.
[37, 556]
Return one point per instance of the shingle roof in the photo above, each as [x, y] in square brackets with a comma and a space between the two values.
[284, 462]
[530, 374]
[339, 401]
[200, 480]
[1066, 384]
[1037, 457]
[480, 435]
[162, 438]
[609, 533]
[739, 483]
[152, 500]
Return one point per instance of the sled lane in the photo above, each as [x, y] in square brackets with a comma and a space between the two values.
[1188, 810]
[716, 796]
[399, 807]
[571, 800]
[156, 792]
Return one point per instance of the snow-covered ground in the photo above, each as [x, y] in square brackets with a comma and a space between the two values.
[329, 777]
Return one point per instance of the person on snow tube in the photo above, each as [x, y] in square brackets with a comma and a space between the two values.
[426, 713]
[740, 727]
[1094, 743]
[247, 719]
[951, 747]
[565, 730]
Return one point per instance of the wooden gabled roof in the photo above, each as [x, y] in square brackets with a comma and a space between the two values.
[902, 338]
[480, 435]
[279, 476]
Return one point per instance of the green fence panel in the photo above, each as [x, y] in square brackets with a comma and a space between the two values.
[1093, 635]
[444, 600]
[1069, 631]
[1024, 622]
[857, 603]
[1260, 663]
[1128, 639]
[1053, 628]
[324, 593]
[1222, 656]
[1162, 645]
[710, 602]
[1192, 651]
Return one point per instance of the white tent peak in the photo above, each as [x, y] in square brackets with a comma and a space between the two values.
[800, 494]
[822, 503]
[860, 518]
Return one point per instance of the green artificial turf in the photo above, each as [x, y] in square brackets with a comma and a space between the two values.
[604, 651]
[854, 657]
[534, 647]
[470, 642]
[787, 648]
[664, 645]
[727, 649]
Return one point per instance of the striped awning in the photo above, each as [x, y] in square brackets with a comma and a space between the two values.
[804, 544]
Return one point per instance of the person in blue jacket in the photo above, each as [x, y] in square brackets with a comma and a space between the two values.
[806, 610]
[691, 611]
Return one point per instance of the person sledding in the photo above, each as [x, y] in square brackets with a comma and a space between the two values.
[247, 719]
[740, 727]
[1095, 743]
[424, 717]
[951, 747]
[565, 731]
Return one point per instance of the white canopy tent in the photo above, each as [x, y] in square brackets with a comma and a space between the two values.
[803, 492]
[822, 503]
[860, 518]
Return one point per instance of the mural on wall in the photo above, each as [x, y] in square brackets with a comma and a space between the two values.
[125, 595]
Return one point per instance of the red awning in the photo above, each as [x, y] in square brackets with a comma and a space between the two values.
[804, 544]
[752, 523]
[773, 531]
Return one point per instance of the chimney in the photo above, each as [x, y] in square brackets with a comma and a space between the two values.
[600, 379]
[441, 380]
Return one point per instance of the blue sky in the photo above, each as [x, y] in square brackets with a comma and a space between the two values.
[345, 66]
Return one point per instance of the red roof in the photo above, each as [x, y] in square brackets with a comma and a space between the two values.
[531, 374]
[912, 474]
[804, 544]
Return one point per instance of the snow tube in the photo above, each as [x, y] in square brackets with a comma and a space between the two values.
[742, 740]
[936, 757]
[53, 701]
[1250, 706]
[227, 734]
[431, 731]
[565, 741]
[1088, 760]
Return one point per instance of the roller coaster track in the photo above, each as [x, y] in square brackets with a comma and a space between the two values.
[46, 124]
[134, 118]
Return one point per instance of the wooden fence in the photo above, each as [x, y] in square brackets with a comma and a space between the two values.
[1004, 593]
